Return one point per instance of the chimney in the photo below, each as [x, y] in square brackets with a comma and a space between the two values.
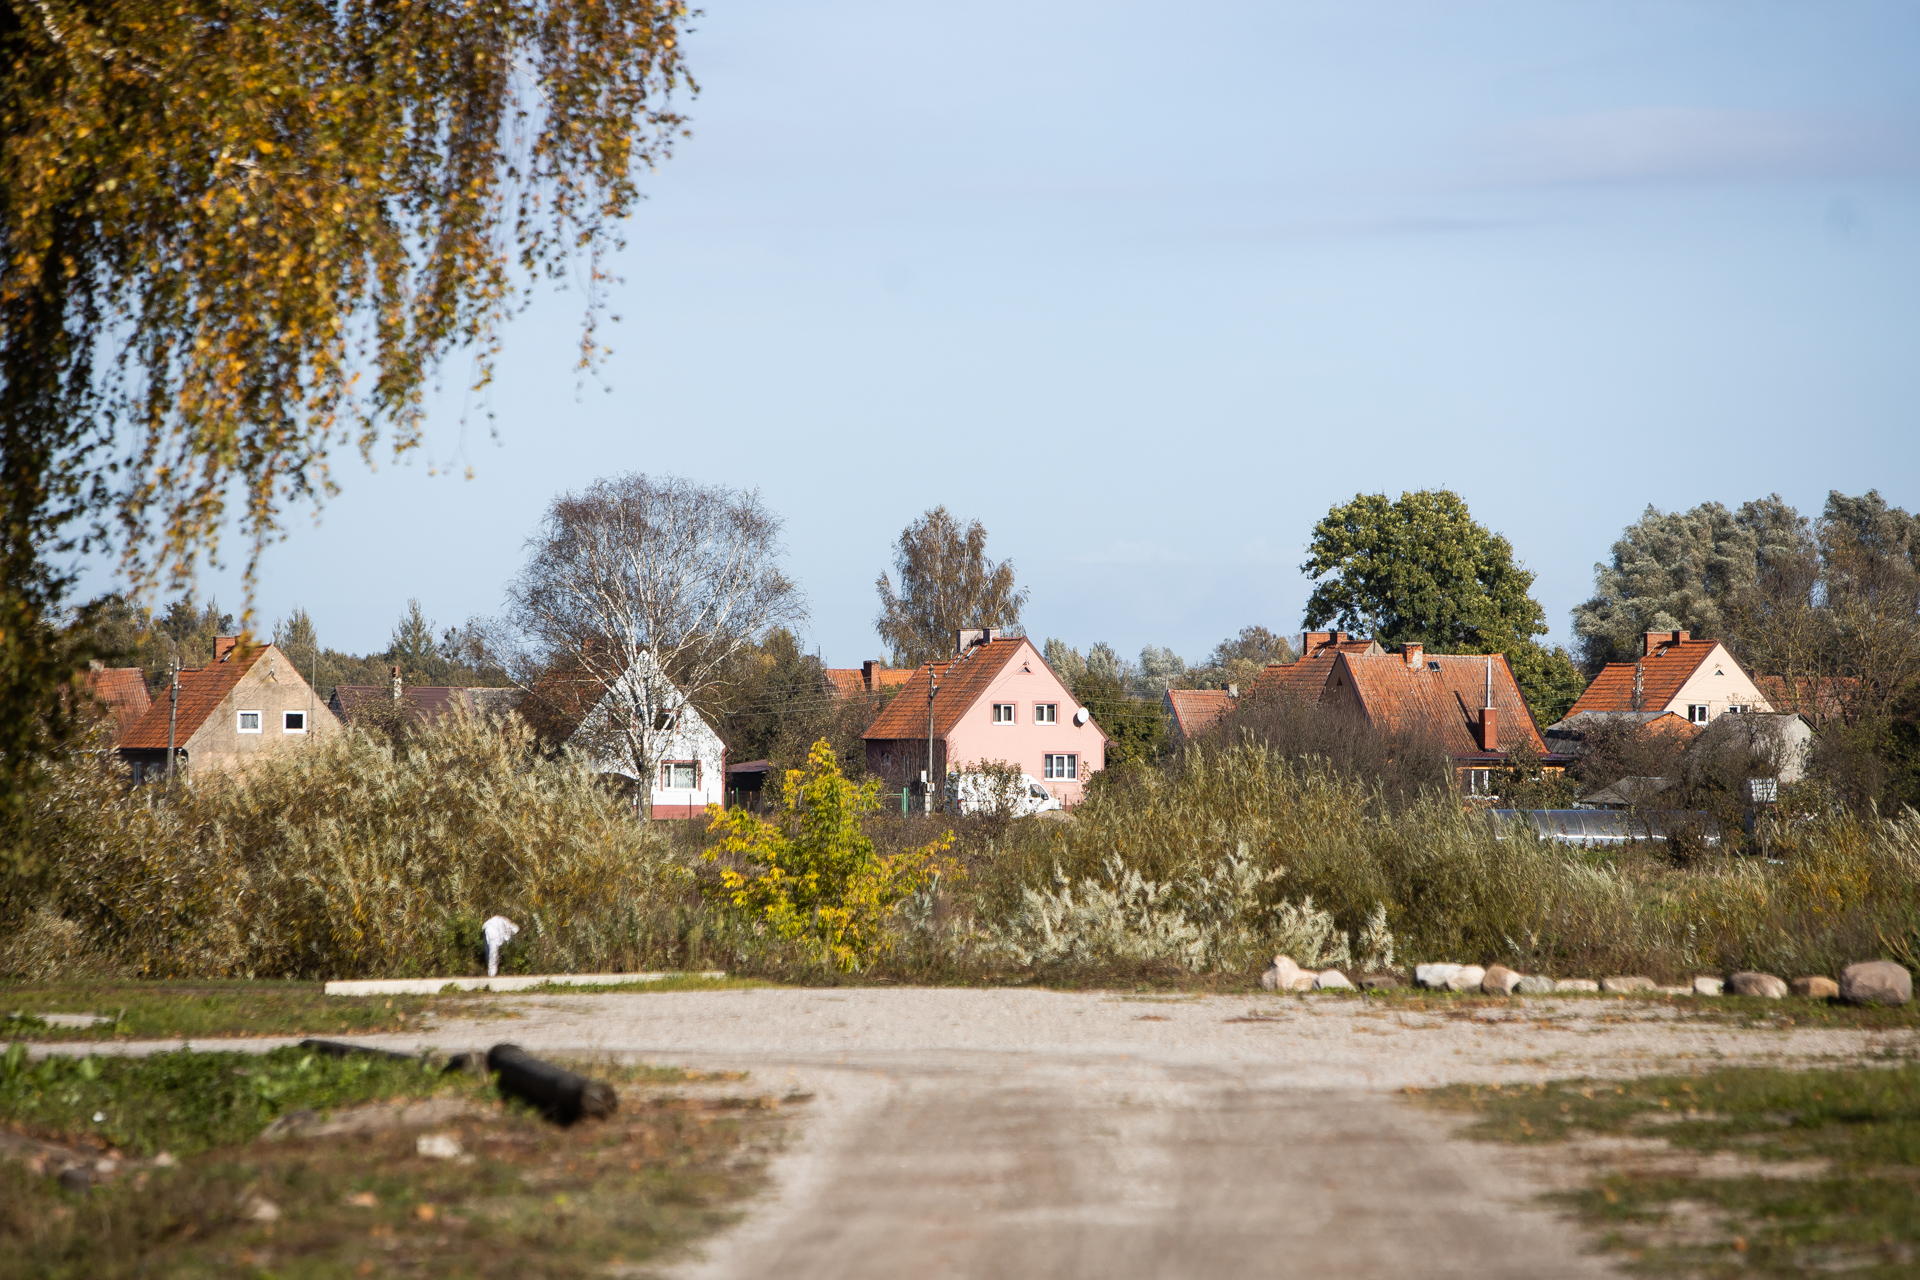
[222, 646]
[869, 673]
[396, 682]
[967, 637]
[1311, 640]
[1233, 691]
[1489, 717]
[1414, 653]
[1655, 639]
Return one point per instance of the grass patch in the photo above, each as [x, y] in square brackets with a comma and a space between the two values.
[513, 1196]
[1850, 1200]
[202, 1010]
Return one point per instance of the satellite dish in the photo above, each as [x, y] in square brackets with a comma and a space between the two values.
[1081, 716]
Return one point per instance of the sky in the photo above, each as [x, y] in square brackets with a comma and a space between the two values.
[1146, 289]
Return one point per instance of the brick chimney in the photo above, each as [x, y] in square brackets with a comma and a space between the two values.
[1414, 654]
[1489, 717]
[1655, 639]
[870, 673]
[1311, 640]
[222, 646]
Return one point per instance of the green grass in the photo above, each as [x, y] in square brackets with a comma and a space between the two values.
[205, 1009]
[1850, 1202]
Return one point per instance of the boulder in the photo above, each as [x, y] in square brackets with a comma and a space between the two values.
[1815, 988]
[1748, 983]
[1708, 986]
[1626, 982]
[1332, 980]
[1302, 981]
[1500, 981]
[1535, 985]
[1576, 984]
[1381, 982]
[1468, 979]
[1280, 975]
[1434, 976]
[1270, 980]
[1876, 982]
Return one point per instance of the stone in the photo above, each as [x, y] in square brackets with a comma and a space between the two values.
[261, 1209]
[437, 1146]
[1381, 982]
[1281, 976]
[1270, 980]
[1626, 982]
[1302, 981]
[1535, 985]
[1500, 981]
[1468, 979]
[1708, 986]
[1434, 976]
[1876, 982]
[1815, 988]
[1576, 984]
[1332, 980]
[1748, 983]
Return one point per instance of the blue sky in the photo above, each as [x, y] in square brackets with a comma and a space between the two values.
[1146, 288]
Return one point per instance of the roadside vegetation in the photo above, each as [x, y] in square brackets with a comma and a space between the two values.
[213, 1164]
[1747, 1171]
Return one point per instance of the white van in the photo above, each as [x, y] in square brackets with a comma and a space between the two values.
[972, 792]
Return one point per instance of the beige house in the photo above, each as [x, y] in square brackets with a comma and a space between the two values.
[248, 705]
[1697, 680]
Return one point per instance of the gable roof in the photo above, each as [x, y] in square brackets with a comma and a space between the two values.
[962, 682]
[1440, 699]
[1662, 674]
[1197, 710]
[846, 681]
[1306, 677]
[201, 693]
[123, 692]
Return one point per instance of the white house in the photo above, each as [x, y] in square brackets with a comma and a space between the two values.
[690, 762]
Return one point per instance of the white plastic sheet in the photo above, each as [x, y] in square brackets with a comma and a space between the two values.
[498, 930]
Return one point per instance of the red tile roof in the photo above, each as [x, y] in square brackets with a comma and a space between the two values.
[1304, 679]
[1197, 710]
[962, 682]
[847, 681]
[201, 693]
[1662, 674]
[1440, 699]
[123, 692]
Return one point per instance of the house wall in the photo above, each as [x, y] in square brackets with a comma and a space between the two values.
[1719, 682]
[693, 740]
[1024, 681]
[272, 687]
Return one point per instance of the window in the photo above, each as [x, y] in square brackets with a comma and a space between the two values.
[1046, 713]
[680, 775]
[1003, 713]
[1062, 767]
[1735, 709]
[249, 722]
[293, 722]
[1697, 712]
[1480, 782]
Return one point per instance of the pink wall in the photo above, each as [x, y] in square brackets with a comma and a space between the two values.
[1024, 681]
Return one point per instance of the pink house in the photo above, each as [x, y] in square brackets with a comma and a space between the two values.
[997, 699]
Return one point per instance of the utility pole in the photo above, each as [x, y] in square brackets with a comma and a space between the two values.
[933, 687]
[173, 714]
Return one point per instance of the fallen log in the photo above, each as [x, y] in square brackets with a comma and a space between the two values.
[559, 1094]
[341, 1049]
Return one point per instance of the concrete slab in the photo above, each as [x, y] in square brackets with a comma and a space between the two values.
[503, 982]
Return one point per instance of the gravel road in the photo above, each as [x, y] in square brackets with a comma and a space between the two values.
[1000, 1133]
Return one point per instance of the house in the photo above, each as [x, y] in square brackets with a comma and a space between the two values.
[121, 695]
[249, 704]
[996, 699]
[1469, 705]
[871, 677]
[1697, 679]
[423, 704]
[1192, 712]
[1305, 678]
[689, 770]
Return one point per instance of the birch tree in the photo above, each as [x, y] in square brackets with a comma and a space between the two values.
[639, 591]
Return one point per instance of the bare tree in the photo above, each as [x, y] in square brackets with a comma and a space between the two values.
[639, 591]
[946, 583]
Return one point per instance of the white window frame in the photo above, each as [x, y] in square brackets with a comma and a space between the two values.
[1479, 782]
[1697, 713]
[288, 715]
[240, 721]
[1046, 713]
[666, 774]
[1004, 713]
[1066, 770]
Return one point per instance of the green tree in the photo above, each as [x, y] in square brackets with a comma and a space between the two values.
[946, 583]
[235, 236]
[414, 649]
[1422, 570]
[1240, 659]
[1681, 570]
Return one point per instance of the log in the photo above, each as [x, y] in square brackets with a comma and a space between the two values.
[558, 1094]
[341, 1049]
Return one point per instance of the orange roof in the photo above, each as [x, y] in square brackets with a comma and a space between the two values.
[123, 692]
[1197, 710]
[201, 693]
[847, 681]
[1819, 698]
[1662, 674]
[1305, 678]
[1440, 699]
[962, 682]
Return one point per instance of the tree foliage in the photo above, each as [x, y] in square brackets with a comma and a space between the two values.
[1674, 571]
[946, 583]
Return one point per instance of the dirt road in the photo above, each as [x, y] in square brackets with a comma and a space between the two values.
[972, 1133]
